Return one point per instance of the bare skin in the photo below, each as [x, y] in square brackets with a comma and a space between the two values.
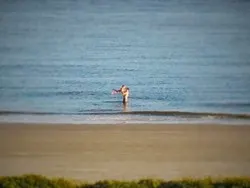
[124, 90]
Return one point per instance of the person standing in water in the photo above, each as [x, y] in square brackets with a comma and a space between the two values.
[124, 90]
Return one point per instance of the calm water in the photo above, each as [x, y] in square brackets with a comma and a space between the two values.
[59, 60]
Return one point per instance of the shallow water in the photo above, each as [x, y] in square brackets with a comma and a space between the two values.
[64, 58]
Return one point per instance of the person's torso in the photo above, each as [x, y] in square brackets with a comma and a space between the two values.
[124, 91]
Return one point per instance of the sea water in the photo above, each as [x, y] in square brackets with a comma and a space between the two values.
[60, 60]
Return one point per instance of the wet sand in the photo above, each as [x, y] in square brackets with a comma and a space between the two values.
[97, 152]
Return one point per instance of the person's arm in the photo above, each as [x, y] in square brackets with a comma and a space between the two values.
[119, 90]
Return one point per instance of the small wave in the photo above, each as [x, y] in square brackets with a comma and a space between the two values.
[86, 112]
[143, 113]
[190, 114]
[27, 113]
[62, 93]
[228, 104]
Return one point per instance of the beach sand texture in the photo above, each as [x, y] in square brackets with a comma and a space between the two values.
[97, 152]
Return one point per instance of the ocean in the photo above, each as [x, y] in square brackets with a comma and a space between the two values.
[184, 61]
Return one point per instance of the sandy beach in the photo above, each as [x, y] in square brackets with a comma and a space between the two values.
[125, 152]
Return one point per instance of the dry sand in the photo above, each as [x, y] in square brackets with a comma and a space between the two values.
[97, 152]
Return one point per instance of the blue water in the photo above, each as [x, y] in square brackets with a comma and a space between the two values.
[59, 60]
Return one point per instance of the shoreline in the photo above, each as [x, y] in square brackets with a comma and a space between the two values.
[125, 151]
[104, 121]
[126, 117]
[125, 124]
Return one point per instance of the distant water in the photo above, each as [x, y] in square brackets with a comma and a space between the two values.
[183, 60]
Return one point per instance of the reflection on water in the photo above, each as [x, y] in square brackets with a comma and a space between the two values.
[125, 107]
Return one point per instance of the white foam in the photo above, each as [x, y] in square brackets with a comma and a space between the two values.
[112, 119]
